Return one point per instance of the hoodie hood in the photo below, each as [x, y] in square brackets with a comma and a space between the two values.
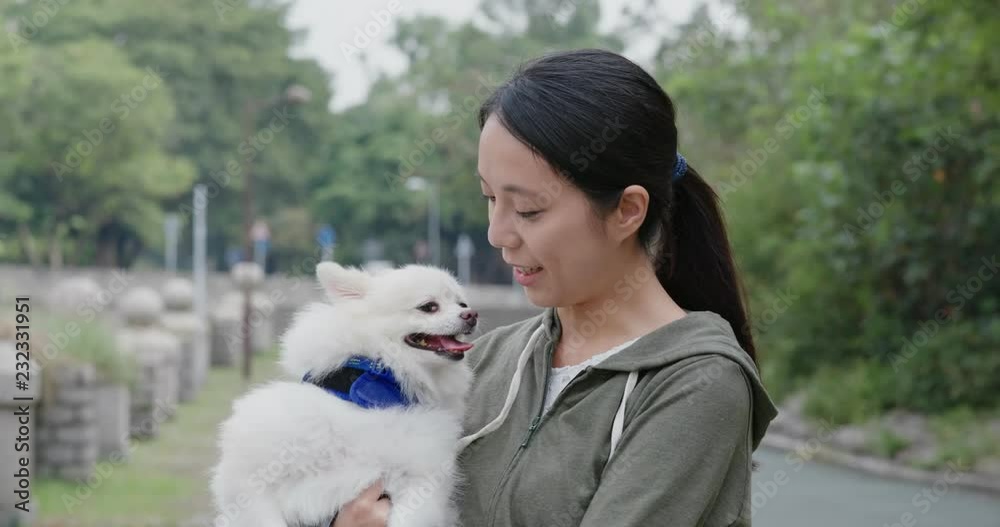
[698, 333]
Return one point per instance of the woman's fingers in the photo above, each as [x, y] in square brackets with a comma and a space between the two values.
[374, 491]
[369, 509]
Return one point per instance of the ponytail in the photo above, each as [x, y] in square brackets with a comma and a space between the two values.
[696, 264]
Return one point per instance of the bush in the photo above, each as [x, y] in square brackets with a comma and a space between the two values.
[843, 395]
[951, 368]
[887, 443]
[878, 216]
[75, 341]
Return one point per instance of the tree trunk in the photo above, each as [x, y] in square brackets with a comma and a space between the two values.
[107, 246]
[55, 251]
[28, 245]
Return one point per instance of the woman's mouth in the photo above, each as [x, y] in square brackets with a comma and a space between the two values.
[527, 276]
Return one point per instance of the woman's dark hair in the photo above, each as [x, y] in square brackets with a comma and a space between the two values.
[604, 123]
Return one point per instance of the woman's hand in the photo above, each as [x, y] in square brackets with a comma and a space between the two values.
[369, 509]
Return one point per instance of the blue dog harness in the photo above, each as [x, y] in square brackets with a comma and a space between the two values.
[365, 382]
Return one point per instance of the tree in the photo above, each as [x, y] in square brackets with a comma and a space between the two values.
[214, 57]
[86, 159]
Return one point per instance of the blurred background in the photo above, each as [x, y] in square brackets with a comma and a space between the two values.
[171, 173]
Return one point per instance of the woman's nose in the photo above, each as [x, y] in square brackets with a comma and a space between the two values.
[500, 235]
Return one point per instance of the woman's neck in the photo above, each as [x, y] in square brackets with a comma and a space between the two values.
[633, 306]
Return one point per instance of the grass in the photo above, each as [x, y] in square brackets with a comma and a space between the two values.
[887, 443]
[965, 436]
[165, 480]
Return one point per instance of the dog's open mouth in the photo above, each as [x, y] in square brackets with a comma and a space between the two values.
[445, 345]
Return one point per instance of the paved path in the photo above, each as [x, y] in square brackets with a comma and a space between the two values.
[819, 495]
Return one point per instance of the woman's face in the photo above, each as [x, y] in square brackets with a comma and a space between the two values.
[543, 225]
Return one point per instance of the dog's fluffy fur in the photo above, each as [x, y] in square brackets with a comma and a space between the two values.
[292, 453]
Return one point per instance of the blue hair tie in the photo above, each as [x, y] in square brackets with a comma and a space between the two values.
[680, 167]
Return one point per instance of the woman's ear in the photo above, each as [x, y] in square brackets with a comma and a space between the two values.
[342, 282]
[631, 212]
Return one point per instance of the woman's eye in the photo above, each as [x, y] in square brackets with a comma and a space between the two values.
[530, 214]
[429, 307]
[489, 198]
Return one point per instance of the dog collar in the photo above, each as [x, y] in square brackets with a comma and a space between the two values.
[365, 382]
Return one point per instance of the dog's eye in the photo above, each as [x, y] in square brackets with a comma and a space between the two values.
[429, 307]
[463, 304]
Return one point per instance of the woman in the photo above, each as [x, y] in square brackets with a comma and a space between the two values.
[634, 398]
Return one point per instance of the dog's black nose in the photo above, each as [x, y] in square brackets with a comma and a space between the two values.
[470, 316]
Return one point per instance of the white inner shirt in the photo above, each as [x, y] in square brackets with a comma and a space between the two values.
[560, 377]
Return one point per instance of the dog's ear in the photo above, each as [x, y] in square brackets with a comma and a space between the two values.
[342, 282]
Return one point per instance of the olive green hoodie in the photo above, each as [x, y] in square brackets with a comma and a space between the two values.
[695, 413]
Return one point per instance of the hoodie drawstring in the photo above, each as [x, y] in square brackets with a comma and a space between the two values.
[619, 424]
[515, 384]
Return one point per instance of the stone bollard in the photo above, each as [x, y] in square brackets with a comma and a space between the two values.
[11, 428]
[72, 295]
[157, 355]
[284, 313]
[179, 319]
[249, 276]
[261, 310]
[227, 318]
[67, 432]
[225, 338]
[113, 418]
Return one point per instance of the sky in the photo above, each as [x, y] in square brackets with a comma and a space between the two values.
[331, 24]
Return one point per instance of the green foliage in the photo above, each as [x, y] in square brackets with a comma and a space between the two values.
[84, 65]
[958, 364]
[843, 395]
[966, 436]
[855, 148]
[887, 443]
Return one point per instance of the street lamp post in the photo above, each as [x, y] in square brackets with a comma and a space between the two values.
[433, 214]
[294, 94]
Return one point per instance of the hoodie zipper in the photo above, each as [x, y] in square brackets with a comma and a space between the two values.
[524, 443]
[535, 424]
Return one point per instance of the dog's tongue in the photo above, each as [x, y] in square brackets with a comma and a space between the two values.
[448, 343]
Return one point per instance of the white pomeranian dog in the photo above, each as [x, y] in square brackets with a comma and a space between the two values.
[381, 397]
